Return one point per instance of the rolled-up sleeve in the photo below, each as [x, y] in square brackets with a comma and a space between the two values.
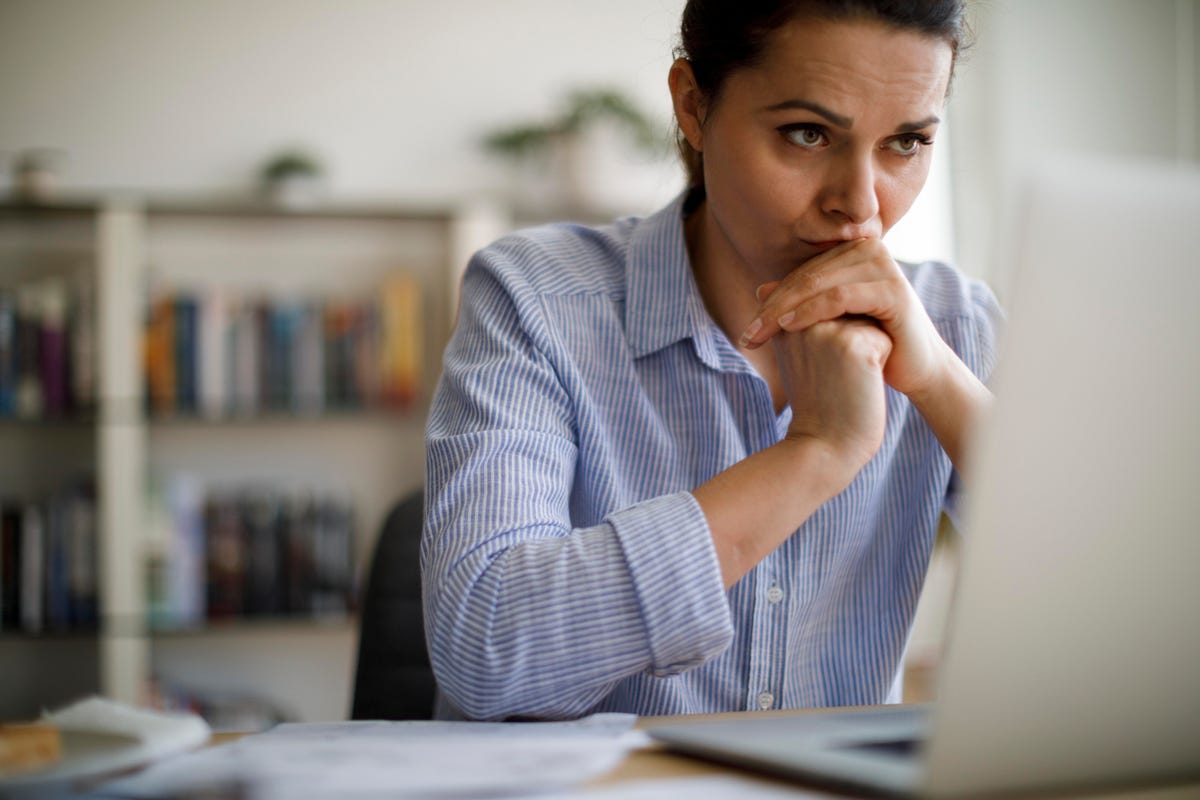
[526, 614]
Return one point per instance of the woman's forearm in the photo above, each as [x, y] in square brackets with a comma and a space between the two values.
[953, 407]
[756, 504]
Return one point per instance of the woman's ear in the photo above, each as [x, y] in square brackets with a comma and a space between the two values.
[688, 101]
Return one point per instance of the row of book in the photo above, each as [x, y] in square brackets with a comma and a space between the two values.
[48, 356]
[247, 552]
[216, 354]
[48, 562]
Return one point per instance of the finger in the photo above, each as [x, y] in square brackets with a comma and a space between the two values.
[764, 291]
[866, 261]
[874, 299]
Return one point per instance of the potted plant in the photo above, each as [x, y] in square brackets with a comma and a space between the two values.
[554, 158]
[293, 179]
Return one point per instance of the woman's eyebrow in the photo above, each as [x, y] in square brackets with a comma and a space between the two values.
[843, 121]
[816, 108]
[932, 119]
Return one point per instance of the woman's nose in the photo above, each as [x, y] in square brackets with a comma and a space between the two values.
[850, 191]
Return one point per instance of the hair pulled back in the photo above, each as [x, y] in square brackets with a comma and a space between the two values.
[718, 37]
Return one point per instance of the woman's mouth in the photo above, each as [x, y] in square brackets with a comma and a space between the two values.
[821, 247]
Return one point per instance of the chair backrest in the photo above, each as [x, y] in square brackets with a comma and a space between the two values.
[393, 679]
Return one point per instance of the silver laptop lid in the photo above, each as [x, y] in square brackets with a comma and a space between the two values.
[1074, 649]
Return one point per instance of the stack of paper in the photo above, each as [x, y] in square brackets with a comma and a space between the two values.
[395, 760]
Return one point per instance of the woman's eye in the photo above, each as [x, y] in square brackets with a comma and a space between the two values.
[908, 145]
[805, 136]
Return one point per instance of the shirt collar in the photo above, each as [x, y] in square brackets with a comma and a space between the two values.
[663, 303]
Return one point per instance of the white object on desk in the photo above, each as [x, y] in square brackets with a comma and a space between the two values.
[100, 736]
[396, 760]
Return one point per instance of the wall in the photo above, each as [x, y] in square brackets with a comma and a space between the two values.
[1102, 77]
[395, 94]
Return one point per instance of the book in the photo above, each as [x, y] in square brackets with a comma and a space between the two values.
[400, 355]
[8, 353]
[159, 345]
[184, 351]
[225, 537]
[83, 563]
[28, 399]
[244, 345]
[33, 567]
[57, 573]
[214, 353]
[10, 566]
[51, 320]
[84, 352]
[263, 589]
[186, 553]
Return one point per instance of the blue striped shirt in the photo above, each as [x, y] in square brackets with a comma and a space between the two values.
[567, 568]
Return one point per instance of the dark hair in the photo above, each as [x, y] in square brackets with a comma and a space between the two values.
[718, 37]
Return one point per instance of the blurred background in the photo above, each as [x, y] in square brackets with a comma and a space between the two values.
[230, 238]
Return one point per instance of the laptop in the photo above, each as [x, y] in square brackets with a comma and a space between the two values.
[1073, 652]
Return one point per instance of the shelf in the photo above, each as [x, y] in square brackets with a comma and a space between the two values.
[10, 636]
[41, 423]
[348, 416]
[256, 626]
[217, 206]
[130, 248]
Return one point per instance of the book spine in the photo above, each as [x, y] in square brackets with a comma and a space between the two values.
[29, 402]
[58, 614]
[185, 355]
[52, 358]
[33, 568]
[308, 362]
[186, 553]
[226, 557]
[160, 357]
[263, 555]
[400, 360]
[10, 561]
[84, 354]
[245, 346]
[213, 354]
[8, 353]
[82, 568]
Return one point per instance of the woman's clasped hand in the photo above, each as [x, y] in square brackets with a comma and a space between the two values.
[857, 278]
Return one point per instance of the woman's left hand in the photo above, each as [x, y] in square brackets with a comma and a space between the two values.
[858, 277]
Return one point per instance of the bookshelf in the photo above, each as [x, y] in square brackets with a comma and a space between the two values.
[365, 452]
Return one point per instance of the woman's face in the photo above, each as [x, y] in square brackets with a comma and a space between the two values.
[826, 139]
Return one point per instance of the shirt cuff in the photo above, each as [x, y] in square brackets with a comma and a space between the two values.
[677, 581]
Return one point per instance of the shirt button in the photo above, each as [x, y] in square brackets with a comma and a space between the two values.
[766, 700]
[774, 595]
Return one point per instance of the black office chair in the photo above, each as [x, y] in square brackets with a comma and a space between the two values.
[393, 679]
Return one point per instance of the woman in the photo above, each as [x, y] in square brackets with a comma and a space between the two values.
[695, 462]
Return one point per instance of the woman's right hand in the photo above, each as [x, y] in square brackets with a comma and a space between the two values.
[832, 374]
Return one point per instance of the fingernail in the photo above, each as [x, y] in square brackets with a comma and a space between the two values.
[786, 319]
[760, 292]
[754, 328]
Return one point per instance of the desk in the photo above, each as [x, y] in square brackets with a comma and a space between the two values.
[657, 762]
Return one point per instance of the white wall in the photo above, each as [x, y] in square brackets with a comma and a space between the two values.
[1103, 77]
[191, 96]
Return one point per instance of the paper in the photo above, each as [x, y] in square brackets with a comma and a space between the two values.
[396, 759]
